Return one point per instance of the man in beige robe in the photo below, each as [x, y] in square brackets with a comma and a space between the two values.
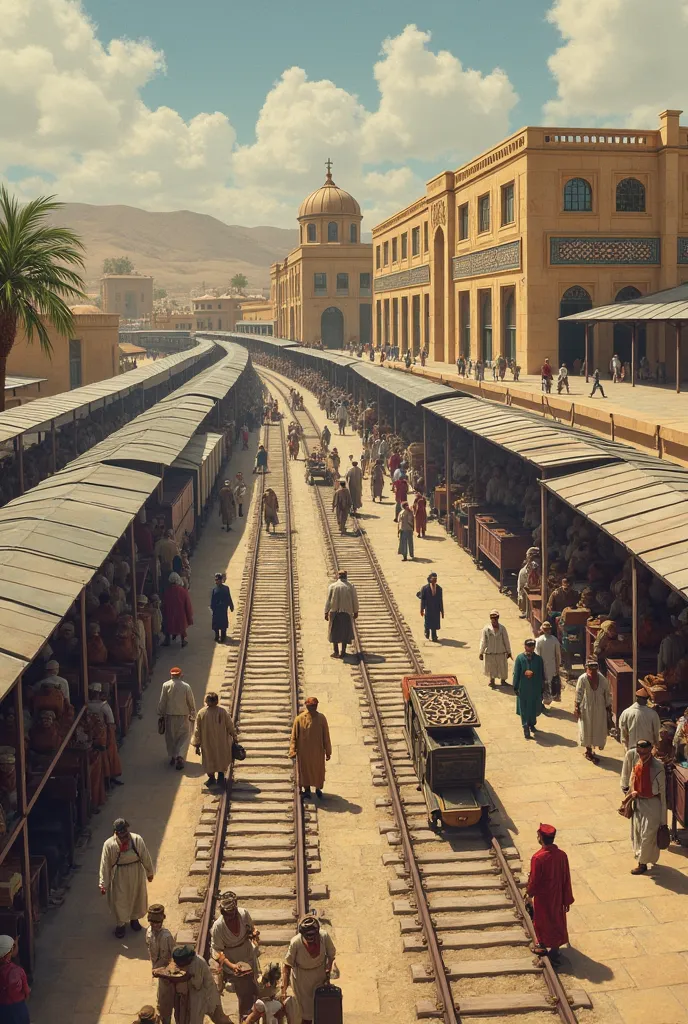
[227, 505]
[165, 552]
[341, 505]
[196, 993]
[177, 707]
[233, 945]
[125, 865]
[341, 608]
[213, 736]
[311, 746]
[354, 481]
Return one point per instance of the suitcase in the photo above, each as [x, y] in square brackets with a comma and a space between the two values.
[327, 1005]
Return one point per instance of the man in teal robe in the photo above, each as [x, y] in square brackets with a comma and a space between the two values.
[527, 682]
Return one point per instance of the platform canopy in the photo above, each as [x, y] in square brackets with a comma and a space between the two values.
[670, 305]
[410, 387]
[324, 354]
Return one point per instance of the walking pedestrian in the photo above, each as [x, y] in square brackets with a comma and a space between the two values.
[400, 486]
[125, 866]
[239, 492]
[261, 465]
[405, 531]
[341, 609]
[377, 480]
[420, 514]
[597, 385]
[354, 481]
[220, 604]
[335, 463]
[161, 943]
[244, 437]
[341, 505]
[227, 505]
[592, 709]
[307, 965]
[234, 951]
[14, 987]
[195, 992]
[527, 683]
[325, 437]
[495, 649]
[176, 708]
[311, 746]
[639, 722]
[342, 416]
[270, 506]
[563, 379]
[615, 367]
[548, 647]
[550, 894]
[643, 780]
[432, 606]
[546, 374]
[213, 736]
[177, 611]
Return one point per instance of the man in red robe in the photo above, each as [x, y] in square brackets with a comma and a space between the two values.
[177, 613]
[549, 891]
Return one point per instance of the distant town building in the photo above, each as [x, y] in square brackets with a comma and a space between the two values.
[92, 353]
[156, 339]
[322, 291]
[549, 222]
[128, 295]
[172, 320]
[215, 312]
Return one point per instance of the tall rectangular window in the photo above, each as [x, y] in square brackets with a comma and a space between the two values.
[364, 284]
[377, 257]
[386, 311]
[484, 213]
[415, 318]
[395, 322]
[426, 237]
[395, 250]
[385, 254]
[426, 322]
[508, 203]
[404, 245]
[463, 221]
[415, 242]
[342, 284]
[404, 323]
[378, 322]
[465, 324]
[74, 363]
[320, 284]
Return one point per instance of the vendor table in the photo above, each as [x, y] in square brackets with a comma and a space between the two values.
[503, 543]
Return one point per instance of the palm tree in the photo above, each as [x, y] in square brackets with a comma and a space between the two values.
[39, 272]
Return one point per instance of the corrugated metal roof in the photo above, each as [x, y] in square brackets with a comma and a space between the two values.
[217, 380]
[52, 540]
[15, 381]
[38, 415]
[197, 451]
[266, 339]
[324, 355]
[410, 387]
[669, 304]
[644, 510]
[545, 445]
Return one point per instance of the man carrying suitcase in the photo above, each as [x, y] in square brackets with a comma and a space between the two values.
[307, 967]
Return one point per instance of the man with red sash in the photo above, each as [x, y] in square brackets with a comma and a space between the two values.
[549, 891]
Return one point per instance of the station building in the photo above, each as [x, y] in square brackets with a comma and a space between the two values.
[322, 291]
[215, 312]
[128, 295]
[549, 222]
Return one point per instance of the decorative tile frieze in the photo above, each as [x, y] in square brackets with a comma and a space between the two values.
[403, 279]
[487, 261]
[601, 251]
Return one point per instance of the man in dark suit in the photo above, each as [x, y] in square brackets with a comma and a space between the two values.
[431, 606]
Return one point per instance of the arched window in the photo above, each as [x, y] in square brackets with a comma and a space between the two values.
[628, 294]
[332, 232]
[311, 233]
[353, 233]
[630, 196]
[577, 195]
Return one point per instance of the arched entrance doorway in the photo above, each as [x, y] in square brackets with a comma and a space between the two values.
[572, 335]
[332, 328]
[623, 331]
[438, 297]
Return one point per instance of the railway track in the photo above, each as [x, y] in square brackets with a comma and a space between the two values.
[458, 897]
[257, 838]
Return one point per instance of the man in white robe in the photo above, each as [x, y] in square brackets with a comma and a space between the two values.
[161, 944]
[177, 708]
[196, 994]
[213, 736]
[495, 649]
[125, 865]
[643, 776]
[354, 481]
[548, 647]
[592, 709]
[233, 942]
[639, 722]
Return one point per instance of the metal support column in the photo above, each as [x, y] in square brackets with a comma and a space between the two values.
[544, 549]
[634, 594]
[447, 473]
[27, 943]
[678, 358]
[134, 601]
[587, 352]
[634, 336]
[425, 451]
[20, 457]
[53, 433]
[76, 434]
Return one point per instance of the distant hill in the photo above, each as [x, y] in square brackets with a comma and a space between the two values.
[182, 250]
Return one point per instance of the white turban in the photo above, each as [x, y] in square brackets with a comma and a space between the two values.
[52, 666]
[174, 577]
[6, 944]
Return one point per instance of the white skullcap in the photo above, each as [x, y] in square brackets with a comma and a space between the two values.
[6, 944]
[53, 666]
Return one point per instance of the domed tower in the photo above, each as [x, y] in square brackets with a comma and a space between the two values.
[330, 215]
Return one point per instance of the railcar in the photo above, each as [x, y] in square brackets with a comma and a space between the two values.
[447, 754]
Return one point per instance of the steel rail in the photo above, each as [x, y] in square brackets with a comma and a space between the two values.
[446, 1003]
[216, 854]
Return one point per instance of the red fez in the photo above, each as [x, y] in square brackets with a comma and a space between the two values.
[547, 830]
[175, 671]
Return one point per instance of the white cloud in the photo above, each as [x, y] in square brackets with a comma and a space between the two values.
[621, 63]
[72, 115]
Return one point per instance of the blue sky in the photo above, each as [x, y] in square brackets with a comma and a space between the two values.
[231, 108]
[224, 55]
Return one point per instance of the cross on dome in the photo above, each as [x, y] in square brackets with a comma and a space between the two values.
[328, 164]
